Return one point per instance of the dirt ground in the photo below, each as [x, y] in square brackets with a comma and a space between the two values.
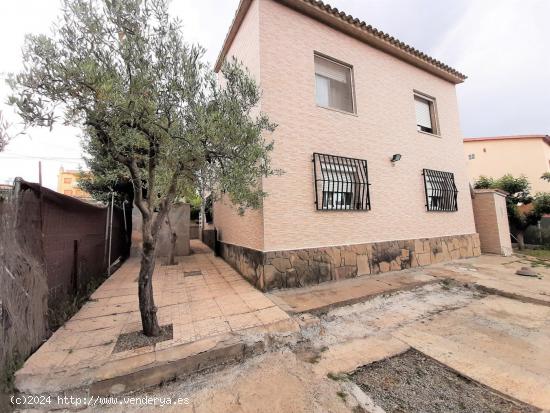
[414, 383]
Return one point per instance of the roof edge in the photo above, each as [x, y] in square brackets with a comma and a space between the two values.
[353, 27]
[545, 138]
[242, 9]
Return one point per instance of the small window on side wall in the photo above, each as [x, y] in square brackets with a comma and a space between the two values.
[426, 116]
[333, 85]
[441, 192]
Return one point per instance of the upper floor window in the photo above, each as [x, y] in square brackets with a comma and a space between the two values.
[66, 180]
[333, 85]
[441, 192]
[341, 183]
[426, 116]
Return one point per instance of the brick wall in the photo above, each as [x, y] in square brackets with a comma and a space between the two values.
[384, 124]
[491, 220]
[247, 229]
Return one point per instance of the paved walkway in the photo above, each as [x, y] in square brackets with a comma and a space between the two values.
[204, 310]
[497, 275]
[322, 297]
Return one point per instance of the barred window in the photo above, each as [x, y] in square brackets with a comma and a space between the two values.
[340, 183]
[441, 192]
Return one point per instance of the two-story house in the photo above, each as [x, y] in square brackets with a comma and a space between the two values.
[368, 137]
[495, 156]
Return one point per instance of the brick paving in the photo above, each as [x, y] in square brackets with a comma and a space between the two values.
[217, 301]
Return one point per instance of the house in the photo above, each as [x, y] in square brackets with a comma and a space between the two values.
[496, 156]
[67, 184]
[368, 136]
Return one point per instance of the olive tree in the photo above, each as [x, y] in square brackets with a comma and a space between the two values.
[122, 71]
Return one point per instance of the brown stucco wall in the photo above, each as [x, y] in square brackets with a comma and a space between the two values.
[179, 218]
[495, 158]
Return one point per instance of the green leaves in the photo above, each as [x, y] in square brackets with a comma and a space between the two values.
[152, 111]
[520, 213]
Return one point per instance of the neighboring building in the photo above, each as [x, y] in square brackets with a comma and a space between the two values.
[67, 184]
[346, 98]
[496, 156]
[5, 190]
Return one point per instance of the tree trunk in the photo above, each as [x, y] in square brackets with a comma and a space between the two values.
[521, 243]
[173, 240]
[147, 306]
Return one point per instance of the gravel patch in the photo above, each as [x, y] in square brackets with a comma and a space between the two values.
[137, 339]
[414, 383]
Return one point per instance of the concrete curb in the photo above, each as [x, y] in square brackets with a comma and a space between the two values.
[355, 300]
[169, 365]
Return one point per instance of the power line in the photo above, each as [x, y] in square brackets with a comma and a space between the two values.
[44, 158]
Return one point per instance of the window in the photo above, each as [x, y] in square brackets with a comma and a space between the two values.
[426, 119]
[441, 192]
[471, 156]
[68, 192]
[333, 85]
[340, 183]
[66, 180]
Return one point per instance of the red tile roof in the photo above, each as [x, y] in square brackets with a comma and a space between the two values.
[354, 27]
[546, 138]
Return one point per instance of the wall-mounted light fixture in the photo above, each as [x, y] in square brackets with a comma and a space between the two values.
[396, 157]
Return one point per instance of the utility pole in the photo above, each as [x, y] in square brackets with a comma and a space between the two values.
[40, 172]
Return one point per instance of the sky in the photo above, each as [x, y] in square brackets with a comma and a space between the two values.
[503, 46]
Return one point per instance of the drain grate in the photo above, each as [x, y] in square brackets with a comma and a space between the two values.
[191, 273]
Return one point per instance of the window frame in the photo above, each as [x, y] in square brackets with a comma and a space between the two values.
[352, 83]
[448, 195]
[434, 117]
[354, 191]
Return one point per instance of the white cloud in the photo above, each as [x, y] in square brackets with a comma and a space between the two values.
[502, 45]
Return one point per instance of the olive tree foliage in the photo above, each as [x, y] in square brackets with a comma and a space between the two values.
[149, 107]
[523, 209]
[4, 135]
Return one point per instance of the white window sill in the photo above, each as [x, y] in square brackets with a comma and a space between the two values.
[430, 134]
[337, 110]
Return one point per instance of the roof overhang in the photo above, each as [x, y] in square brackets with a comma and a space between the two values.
[545, 138]
[353, 27]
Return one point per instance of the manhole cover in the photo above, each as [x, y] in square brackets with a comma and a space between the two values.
[191, 273]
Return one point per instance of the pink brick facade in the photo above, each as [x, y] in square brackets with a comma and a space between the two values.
[384, 124]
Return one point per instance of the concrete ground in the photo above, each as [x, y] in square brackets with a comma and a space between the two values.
[480, 320]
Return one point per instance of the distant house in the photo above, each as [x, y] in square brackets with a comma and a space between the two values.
[67, 184]
[369, 139]
[5, 190]
[495, 156]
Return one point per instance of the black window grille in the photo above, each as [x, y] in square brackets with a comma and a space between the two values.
[340, 183]
[441, 192]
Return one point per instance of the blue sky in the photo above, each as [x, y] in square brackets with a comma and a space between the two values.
[503, 46]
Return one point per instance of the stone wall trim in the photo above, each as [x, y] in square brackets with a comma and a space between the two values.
[298, 268]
